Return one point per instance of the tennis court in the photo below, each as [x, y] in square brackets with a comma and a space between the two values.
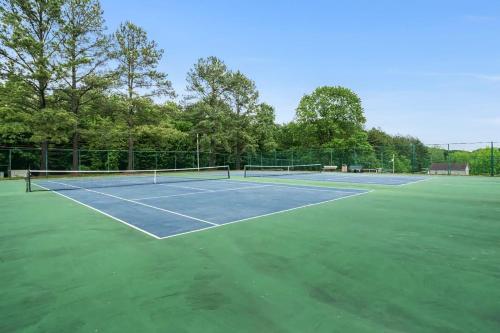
[168, 203]
[69, 268]
[313, 172]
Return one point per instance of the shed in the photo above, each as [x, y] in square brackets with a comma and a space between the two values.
[458, 169]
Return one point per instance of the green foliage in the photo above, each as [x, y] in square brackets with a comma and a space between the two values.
[208, 80]
[52, 125]
[138, 77]
[479, 160]
[331, 117]
[14, 114]
[28, 42]
[410, 153]
[264, 128]
[82, 52]
[224, 110]
[138, 58]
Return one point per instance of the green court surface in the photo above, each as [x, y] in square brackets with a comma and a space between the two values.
[419, 258]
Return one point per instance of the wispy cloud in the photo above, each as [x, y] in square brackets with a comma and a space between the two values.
[493, 120]
[483, 76]
[478, 76]
[480, 18]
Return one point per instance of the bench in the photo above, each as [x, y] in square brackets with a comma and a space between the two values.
[330, 168]
[355, 168]
[377, 170]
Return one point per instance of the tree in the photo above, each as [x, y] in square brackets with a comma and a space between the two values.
[83, 53]
[15, 115]
[243, 97]
[330, 116]
[289, 135]
[28, 42]
[208, 80]
[383, 146]
[137, 74]
[412, 149]
[264, 127]
[208, 86]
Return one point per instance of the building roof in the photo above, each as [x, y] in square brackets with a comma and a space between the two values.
[451, 166]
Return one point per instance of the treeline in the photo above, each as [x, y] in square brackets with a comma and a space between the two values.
[65, 80]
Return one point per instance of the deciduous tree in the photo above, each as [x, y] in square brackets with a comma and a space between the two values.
[330, 116]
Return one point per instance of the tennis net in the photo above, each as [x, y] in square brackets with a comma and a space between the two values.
[280, 170]
[55, 180]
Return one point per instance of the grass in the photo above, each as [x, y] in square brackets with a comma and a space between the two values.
[419, 258]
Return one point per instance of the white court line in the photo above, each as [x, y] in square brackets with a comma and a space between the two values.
[269, 214]
[373, 182]
[179, 186]
[299, 186]
[100, 211]
[302, 188]
[213, 225]
[136, 202]
[204, 192]
[352, 179]
[416, 181]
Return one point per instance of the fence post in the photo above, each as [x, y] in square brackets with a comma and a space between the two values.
[107, 159]
[413, 158]
[156, 159]
[382, 159]
[9, 168]
[492, 161]
[46, 166]
[448, 160]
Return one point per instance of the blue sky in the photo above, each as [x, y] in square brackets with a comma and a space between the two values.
[425, 68]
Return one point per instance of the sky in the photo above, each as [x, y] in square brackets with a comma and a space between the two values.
[429, 69]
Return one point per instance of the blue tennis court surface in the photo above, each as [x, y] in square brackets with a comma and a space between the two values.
[355, 178]
[170, 209]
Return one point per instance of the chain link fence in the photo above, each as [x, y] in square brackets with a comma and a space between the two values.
[482, 158]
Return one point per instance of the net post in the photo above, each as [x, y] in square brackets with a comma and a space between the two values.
[228, 172]
[245, 171]
[154, 178]
[28, 180]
